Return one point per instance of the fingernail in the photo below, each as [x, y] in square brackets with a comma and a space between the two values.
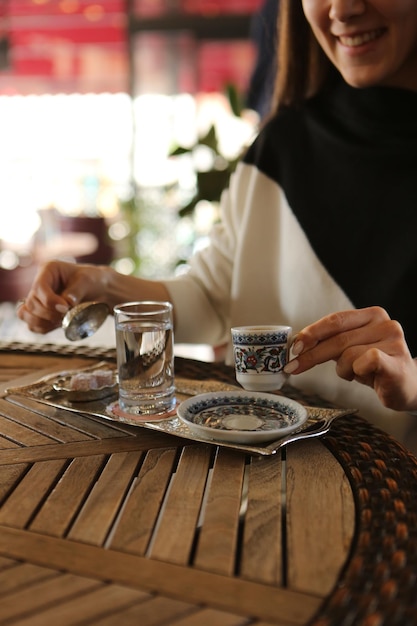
[61, 308]
[71, 298]
[291, 366]
[297, 347]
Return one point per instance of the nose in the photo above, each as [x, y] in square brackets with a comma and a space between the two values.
[343, 10]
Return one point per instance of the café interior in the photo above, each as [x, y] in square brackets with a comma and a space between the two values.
[95, 96]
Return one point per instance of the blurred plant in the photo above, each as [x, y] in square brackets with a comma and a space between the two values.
[211, 182]
[124, 232]
[153, 238]
[144, 232]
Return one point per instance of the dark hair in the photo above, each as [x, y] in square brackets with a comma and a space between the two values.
[302, 66]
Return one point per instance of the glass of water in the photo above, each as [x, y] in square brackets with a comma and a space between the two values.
[145, 357]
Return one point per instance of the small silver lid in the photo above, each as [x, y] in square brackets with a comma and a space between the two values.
[84, 320]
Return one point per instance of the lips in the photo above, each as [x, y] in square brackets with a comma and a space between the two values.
[360, 39]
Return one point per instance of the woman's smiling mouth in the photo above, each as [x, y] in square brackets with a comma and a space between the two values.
[354, 41]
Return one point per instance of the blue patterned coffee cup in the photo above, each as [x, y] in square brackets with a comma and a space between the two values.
[260, 354]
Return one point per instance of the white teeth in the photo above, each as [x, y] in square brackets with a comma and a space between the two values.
[360, 40]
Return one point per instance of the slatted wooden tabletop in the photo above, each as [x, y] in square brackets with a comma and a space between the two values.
[104, 523]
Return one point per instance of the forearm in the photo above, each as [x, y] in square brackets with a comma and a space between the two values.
[121, 288]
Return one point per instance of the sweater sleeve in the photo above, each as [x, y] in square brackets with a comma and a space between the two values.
[201, 297]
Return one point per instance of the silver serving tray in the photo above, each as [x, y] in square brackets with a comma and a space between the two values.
[45, 391]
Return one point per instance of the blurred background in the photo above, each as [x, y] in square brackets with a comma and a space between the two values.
[120, 123]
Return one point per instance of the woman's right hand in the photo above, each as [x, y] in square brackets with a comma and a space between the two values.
[58, 286]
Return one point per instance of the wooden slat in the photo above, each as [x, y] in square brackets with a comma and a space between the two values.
[9, 373]
[146, 439]
[317, 491]
[155, 611]
[217, 544]
[22, 575]
[106, 600]
[6, 563]
[183, 583]
[89, 425]
[6, 443]
[10, 475]
[211, 617]
[40, 423]
[176, 532]
[39, 365]
[27, 496]
[261, 547]
[101, 507]
[64, 502]
[86, 608]
[24, 603]
[29, 361]
[137, 522]
[21, 434]
[278, 622]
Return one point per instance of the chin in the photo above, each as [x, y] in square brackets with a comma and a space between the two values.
[361, 82]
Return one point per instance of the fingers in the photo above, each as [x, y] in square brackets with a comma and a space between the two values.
[337, 323]
[40, 319]
[51, 286]
[57, 287]
[367, 346]
[343, 337]
[393, 378]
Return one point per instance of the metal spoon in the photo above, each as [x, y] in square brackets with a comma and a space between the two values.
[84, 320]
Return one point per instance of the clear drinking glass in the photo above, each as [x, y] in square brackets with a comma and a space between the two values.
[145, 357]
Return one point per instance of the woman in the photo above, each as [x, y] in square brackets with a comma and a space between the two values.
[319, 219]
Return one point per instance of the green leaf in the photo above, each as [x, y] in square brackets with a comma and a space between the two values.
[179, 150]
[234, 100]
[210, 139]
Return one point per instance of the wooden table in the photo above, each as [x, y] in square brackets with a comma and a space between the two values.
[103, 523]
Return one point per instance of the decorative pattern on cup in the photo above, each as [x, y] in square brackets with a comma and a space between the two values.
[262, 350]
[264, 338]
[260, 359]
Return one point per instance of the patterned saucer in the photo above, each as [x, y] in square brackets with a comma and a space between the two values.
[242, 417]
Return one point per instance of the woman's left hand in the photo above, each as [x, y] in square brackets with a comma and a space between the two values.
[367, 346]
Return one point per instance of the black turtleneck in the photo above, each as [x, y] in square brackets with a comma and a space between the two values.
[347, 162]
